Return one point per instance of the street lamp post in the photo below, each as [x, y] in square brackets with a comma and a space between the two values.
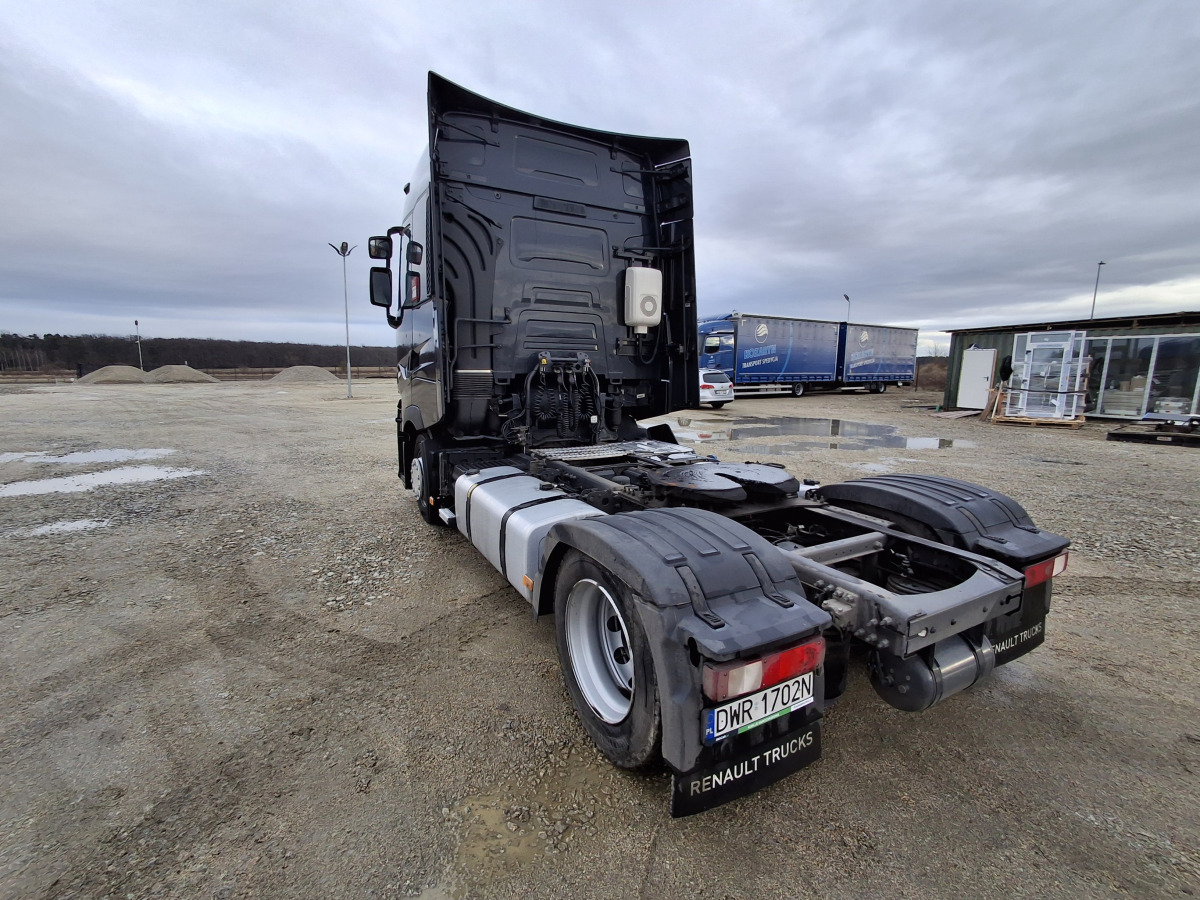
[137, 332]
[344, 251]
[847, 296]
[1095, 289]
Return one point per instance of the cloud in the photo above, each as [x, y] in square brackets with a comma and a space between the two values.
[186, 164]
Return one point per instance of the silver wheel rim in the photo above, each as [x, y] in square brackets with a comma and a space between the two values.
[416, 474]
[601, 655]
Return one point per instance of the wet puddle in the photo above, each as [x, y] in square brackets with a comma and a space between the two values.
[73, 484]
[809, 434]
[84, 457]
[63, 527]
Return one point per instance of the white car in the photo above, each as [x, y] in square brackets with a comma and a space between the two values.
[715, 388]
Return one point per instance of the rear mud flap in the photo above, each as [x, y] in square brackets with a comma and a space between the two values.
[702, 789]
[1016, 634]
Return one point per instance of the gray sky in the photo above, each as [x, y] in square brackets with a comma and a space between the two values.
[944, 164]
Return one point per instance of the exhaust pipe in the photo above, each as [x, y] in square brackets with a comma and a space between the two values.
[923, 679]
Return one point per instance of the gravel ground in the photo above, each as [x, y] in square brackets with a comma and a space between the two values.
[241, 665]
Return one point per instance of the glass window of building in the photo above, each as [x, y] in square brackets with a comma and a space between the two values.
[1128, 376]
[1173, 382]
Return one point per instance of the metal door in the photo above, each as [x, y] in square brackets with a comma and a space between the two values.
[975, 378]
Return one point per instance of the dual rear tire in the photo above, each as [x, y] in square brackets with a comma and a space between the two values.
[606, 662]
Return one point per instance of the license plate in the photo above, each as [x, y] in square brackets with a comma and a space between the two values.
[753, 710]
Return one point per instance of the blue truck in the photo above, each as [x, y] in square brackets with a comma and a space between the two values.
[777, 353]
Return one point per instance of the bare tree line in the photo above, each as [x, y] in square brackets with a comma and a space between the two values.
[20, 358]
[88, 352]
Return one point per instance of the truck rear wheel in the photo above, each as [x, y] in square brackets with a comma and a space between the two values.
[876, 387]
[419, 475]
[606, 662]
[798, 389]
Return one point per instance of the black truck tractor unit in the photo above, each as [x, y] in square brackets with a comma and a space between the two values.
[545, 302]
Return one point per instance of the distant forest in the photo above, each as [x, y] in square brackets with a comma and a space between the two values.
[87, 352]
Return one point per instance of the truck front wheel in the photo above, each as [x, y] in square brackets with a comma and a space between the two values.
[421, 485]
[606, 662]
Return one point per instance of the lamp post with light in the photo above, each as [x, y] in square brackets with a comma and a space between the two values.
[847, 296]
[344, 251]
[1095, 289]
[137, 333]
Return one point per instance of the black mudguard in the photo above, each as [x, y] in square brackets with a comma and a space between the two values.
[704, 587]
[960, 514]
[403, 449]
[970, 517]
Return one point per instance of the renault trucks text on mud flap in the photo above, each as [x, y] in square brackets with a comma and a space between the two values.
[704, 610]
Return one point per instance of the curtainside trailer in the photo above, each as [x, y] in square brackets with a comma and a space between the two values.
[874, 356]
[777, 353]
[704, 611]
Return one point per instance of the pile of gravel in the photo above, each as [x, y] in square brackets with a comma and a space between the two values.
[305, 374]
[178, 375]
[115, 375]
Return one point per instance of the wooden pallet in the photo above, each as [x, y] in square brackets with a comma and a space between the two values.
[1179, 439]
[1182, 429]
[1077, 422]
[957, 413]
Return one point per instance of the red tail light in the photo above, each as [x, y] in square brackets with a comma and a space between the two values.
[723, 681]
[1044, 571]
[706, 387]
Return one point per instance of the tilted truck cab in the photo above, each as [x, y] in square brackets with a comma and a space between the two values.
[542, 286]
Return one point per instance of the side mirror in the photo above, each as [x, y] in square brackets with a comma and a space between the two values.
[414, 253]
[379, 247]
[381, 285]
[413, 298]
